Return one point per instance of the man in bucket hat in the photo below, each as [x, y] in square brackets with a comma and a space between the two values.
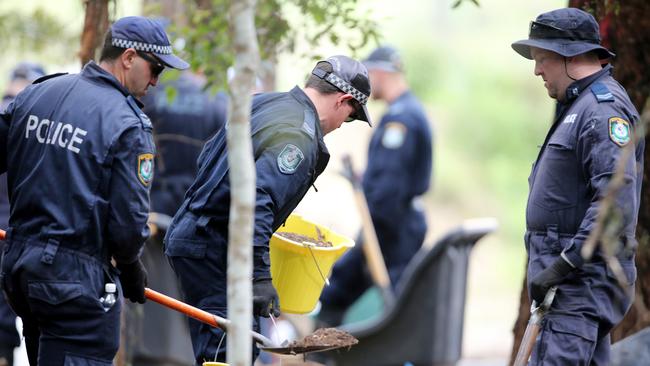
[79, 156]
[594, 122]
[287, 131]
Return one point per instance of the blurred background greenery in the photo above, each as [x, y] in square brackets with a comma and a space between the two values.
[489, 112]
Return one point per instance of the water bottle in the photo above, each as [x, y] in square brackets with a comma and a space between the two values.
[108, 300]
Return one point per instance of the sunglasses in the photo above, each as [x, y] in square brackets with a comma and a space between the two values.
[548, 31]
[155, 65]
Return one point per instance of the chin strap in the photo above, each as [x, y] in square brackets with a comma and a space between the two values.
[566, 71]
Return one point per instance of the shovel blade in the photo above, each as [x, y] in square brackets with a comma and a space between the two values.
[298, 350]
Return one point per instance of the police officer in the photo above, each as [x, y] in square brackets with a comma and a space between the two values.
[182, 125]
[22, 75]
[79, 154]
[594, 122]
[287, 132]
[398, 171]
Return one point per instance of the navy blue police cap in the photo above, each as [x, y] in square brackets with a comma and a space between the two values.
[351, 77]
[146, 35]
[26, 70]
[567, 31]
[384, 58]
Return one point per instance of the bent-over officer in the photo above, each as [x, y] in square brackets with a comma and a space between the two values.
[287, 133]
[79, 157]
[594, 123]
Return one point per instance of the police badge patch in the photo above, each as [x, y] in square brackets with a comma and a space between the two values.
[289, 159]
[394, 135]
[619, 131]
[145, 168]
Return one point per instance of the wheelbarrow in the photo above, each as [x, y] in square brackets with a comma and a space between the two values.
[264, 343]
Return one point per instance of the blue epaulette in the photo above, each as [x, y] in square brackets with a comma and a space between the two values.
[602, 93]
[146, 122]
[309, 123]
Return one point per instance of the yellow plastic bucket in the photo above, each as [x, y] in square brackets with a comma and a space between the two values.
[296, 273]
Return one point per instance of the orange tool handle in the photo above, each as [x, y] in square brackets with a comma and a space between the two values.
[200, 315]
[182, 307]
[3, 234]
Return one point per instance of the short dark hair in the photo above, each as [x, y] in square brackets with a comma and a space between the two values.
[322, 85]
[110, 52]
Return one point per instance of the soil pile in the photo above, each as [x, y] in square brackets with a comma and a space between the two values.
[325, 337]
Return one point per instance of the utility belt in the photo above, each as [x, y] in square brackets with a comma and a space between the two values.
[52, 245]
[554, 242]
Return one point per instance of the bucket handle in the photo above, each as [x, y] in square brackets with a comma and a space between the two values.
[309, 245]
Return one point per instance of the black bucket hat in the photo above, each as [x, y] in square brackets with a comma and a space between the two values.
[567, 31]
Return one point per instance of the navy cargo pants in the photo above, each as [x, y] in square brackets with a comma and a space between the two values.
[56, 292]
[586, 306]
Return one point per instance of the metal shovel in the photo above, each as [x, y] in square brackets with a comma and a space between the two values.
[264, 343]
[533, 328]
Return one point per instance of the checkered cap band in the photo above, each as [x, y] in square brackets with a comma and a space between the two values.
[349, 89]
[141, 46]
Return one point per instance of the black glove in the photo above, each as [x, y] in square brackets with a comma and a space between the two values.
[549, 277]
[265, 298]
[134, 279]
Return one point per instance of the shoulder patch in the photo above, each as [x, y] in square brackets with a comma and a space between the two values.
[309, 123]
[145, 168]
[47, 77]
[290, 158]
[146, 122]
[619, 131]
[602, 93]
[394, 135]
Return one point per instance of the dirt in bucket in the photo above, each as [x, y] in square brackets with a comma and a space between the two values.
[320, 242]
[325, 337]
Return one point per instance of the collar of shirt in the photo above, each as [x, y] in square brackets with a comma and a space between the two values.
[301, 97]
[578, 86]
[401, 97]
[94, 72]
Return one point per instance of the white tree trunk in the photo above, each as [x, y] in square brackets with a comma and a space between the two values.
[242, 183]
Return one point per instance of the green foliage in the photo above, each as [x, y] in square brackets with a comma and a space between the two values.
[208, 42]
[36, 31]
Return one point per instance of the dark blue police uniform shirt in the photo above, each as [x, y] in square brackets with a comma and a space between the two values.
[80, 164]
[282, 125]
[578, 159]
[399, 160]
[182, 125]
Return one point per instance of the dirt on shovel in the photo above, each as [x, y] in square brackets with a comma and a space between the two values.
[322, 339]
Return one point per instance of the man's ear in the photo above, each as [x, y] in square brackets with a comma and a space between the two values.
[344, 98]
[128, 58]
